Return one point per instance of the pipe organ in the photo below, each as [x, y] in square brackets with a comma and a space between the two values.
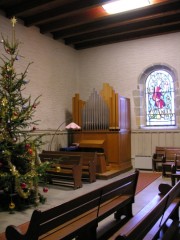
[95, 113]
[105, 123]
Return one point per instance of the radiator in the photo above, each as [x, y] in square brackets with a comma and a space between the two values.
[143, 162]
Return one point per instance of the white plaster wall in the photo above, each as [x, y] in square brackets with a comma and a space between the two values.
[53, 74]
[121, 64]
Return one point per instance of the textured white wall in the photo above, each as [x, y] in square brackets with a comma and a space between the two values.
[53, 73]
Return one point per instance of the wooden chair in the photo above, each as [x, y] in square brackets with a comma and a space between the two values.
[175, 170]
[158, 157]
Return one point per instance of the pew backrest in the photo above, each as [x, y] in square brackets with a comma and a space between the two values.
[170, 153]
[79, 215]
[139, 226]
[89, 161]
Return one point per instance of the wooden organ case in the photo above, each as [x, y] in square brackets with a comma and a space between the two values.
[105, 123]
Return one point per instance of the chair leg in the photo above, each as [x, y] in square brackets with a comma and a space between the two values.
[173, 180]
[163, 171]
[154, 166]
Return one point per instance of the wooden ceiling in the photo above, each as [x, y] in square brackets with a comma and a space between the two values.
[84, 24]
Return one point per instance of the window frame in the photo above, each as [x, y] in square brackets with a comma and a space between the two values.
[141, 110]
[157, 91]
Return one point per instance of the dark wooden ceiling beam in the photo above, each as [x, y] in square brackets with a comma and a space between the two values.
[116, 20]
[141, 33]
[84, 23]
[75, 20]
[130, 26]
[65, 10]
[8, 3]
[18, 9]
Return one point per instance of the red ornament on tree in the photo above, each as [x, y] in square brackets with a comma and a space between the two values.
[45, 189]
[23, 185]
[27, 146]
[30, 151]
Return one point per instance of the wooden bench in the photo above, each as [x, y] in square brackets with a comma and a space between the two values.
[79, 217]
[168, 160]
[152, 219]
[64, 170]
[89, 162]
[164, 156]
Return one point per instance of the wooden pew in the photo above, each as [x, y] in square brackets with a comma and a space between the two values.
[64, 170]
[168, 160]
[79, 217]
[151, 220]
[89, 162]
[164, 156]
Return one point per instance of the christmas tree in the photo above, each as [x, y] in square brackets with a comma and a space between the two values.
[20, 168]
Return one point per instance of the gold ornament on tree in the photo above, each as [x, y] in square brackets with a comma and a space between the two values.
[4, 101]
[12, 205]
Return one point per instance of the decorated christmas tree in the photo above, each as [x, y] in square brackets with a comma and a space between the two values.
[20, 168]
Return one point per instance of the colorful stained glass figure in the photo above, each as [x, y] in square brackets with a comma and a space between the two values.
[160, 99]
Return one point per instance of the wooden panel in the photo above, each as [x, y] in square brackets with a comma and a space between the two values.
[176, 137]
[117, 111]
[91, 143]
[117, 146]
[162, 139]
[133, 145]
[144, 142]
[113, 148]
[75, 108]
[125, 146]
[81, 105]
[112, 113]
[128, 115]
[124, 113]
[154, 141]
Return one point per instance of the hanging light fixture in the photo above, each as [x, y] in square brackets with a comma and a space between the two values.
[124, 5]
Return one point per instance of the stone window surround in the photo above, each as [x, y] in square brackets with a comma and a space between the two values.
[139, 95]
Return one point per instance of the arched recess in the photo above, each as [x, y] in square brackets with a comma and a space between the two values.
[139, 95]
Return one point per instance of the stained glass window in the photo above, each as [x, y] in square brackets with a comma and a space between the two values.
[160, 99]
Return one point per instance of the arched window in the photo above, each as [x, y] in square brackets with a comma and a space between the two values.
[157, 98]
[160, 110]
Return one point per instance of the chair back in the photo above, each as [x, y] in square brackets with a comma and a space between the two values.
[177, 161]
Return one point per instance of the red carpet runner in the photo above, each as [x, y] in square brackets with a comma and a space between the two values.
[145, 179]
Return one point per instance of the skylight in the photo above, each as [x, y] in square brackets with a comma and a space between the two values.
[124, 5]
